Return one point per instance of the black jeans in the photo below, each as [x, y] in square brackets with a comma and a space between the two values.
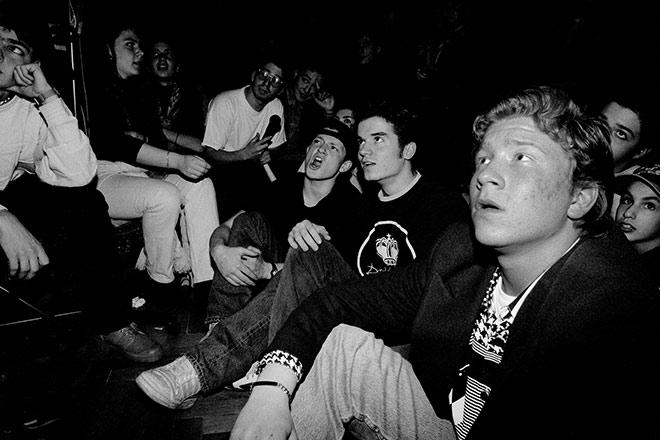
[73, 226]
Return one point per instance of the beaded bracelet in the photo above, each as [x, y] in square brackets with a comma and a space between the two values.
[273, 384]
[282, 358]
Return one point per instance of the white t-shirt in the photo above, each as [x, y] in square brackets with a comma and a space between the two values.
[231, 122]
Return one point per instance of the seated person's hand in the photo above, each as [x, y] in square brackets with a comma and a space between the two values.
[136, 135]
[307, 235]
[266, 415]
[241, 266]
[192, 167]
[25, 254]
[29, 80]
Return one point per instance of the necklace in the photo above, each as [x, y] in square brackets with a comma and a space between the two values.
[6, 100]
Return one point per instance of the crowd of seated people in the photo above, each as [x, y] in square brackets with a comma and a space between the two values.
[322, 243]
[56, 237]
[140, 176]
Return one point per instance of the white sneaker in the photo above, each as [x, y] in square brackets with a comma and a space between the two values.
[173, 385]
[245, 382]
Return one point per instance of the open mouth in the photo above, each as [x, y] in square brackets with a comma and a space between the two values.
[366, 164]
[316, 162]
[487, 205]
[626, 227]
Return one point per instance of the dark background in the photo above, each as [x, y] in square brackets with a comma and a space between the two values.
[510, 40]
[583, 46]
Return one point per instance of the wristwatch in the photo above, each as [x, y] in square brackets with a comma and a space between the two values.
[40, 99]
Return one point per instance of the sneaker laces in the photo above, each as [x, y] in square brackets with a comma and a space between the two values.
[130, 332]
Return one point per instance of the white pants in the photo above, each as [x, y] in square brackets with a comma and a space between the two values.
[356, 378]
[131, 194]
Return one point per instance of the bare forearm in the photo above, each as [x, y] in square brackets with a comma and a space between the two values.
[187, 141]
[157, 157]
[221, 156]
[219, 236]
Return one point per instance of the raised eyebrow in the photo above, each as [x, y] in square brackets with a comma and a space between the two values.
[530, 144]
[17, 42]
[518, 143]
[626, 129]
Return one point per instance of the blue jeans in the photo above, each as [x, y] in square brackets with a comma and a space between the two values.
[303, 274]
[234, 343]
[356, 378]
[238, 340]
[249, 229]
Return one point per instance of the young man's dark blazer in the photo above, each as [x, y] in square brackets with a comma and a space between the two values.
[577, 363]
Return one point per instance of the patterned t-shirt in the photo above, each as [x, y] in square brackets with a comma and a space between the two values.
[393, 231]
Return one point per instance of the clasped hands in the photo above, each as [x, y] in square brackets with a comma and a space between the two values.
[241, 266]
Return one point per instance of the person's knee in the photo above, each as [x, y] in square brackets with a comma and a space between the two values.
[299, 256]
[345, 335]
[248, 221]
[203, 190]
[165, 198]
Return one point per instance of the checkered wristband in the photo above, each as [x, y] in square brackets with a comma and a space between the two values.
[282, 358]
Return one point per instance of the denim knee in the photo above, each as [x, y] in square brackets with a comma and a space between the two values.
[250, 220]
[298, 256]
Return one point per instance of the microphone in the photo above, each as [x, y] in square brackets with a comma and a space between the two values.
[273, 127]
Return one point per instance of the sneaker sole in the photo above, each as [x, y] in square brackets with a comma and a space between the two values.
[151, 391]
[146, 358]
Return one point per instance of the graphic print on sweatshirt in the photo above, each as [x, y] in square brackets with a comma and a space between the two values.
[385, 247]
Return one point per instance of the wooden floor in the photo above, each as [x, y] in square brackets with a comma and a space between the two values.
[92, 388]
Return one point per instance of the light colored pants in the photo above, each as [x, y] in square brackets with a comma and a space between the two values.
[131, 194]
[356, 377]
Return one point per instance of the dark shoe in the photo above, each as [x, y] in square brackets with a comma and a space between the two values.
[135, 344]
[157, 315]
[40, 421]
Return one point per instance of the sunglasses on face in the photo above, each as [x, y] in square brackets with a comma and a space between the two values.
[269, 78]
